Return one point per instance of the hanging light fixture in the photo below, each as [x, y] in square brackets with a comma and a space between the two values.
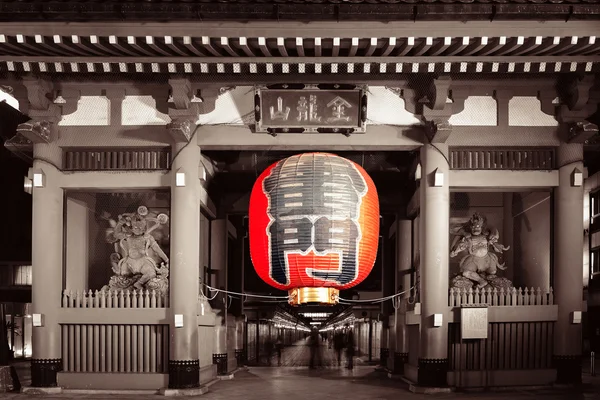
[314, 226]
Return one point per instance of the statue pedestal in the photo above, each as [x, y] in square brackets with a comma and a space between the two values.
[496, 282]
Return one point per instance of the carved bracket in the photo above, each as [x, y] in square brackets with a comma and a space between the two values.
[37, 131]
[581, 132]
[438, 92]
[40, 93]
[577, 92]
[181, 130]
[67, 100]
[435, 107]
[187, 102]
[181, 93]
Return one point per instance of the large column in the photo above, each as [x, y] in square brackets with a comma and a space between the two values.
[404, 257]
[508, 228]
[218, 264]
[568, 261]
[434, 254]
[47, 262]
[184, 367]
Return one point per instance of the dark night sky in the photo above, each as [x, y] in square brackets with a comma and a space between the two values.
[15, 225]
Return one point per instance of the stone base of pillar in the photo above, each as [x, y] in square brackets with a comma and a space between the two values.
[184, 374]
[568, 369]
[433, 372]
[221, 361]
[399, 360]
[383, 356]
[44, 372]
[239, 356]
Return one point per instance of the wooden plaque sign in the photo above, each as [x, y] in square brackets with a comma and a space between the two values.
[308, 108]
[474, 322]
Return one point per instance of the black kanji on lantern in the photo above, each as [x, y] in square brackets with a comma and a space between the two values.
[314, 204]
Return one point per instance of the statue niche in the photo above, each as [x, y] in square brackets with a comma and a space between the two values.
[480, 265]
[137, 255]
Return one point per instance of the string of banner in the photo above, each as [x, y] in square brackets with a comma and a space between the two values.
[281, 299]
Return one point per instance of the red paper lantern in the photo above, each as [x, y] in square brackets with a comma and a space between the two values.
[314, 226]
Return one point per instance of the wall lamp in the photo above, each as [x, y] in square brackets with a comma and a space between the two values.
[577, 178]
[180, 178]
[438, 178]
[39, 178]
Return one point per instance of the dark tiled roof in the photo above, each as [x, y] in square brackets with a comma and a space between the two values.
[298, 2]
[305, 10]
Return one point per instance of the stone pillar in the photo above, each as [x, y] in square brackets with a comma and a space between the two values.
[434, 253]
[239, 341]
[404, 266]
[508, 234]
[384, 345]
[184, 366]
[47, 268]
[218, 264]
[568, 261]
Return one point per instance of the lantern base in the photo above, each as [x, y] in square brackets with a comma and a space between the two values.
[320, 295]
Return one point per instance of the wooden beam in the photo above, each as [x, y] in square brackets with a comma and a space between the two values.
[482, 180]
[580, 28]
[241, 138]
[110, 180]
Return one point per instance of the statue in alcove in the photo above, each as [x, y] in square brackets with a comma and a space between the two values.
[480, 265]
[137, 255]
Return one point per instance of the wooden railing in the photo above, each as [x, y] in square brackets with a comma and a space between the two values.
[502, 159]
[115, 348]
[501, 297]
[114, 299]
[116, 159]
[509, 346]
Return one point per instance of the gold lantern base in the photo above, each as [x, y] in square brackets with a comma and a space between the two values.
[321, 295]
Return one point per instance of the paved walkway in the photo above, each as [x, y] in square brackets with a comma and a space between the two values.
[298, 355]
[294, 381]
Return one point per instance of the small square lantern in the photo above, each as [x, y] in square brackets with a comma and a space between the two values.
[577, 179]
[180, 178]
[438, 178]
[39, 178]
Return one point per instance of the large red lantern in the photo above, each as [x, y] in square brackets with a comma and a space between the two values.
[314, 226]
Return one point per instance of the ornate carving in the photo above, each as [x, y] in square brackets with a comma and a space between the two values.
[186, 109]
[37, 131]
[43, 372]
[6, 89]
[438, 131]
[181, 130]
[433, 107]
[184, 374]
[479, 265]
[137, 254]
[581, 131]
[432, 372]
